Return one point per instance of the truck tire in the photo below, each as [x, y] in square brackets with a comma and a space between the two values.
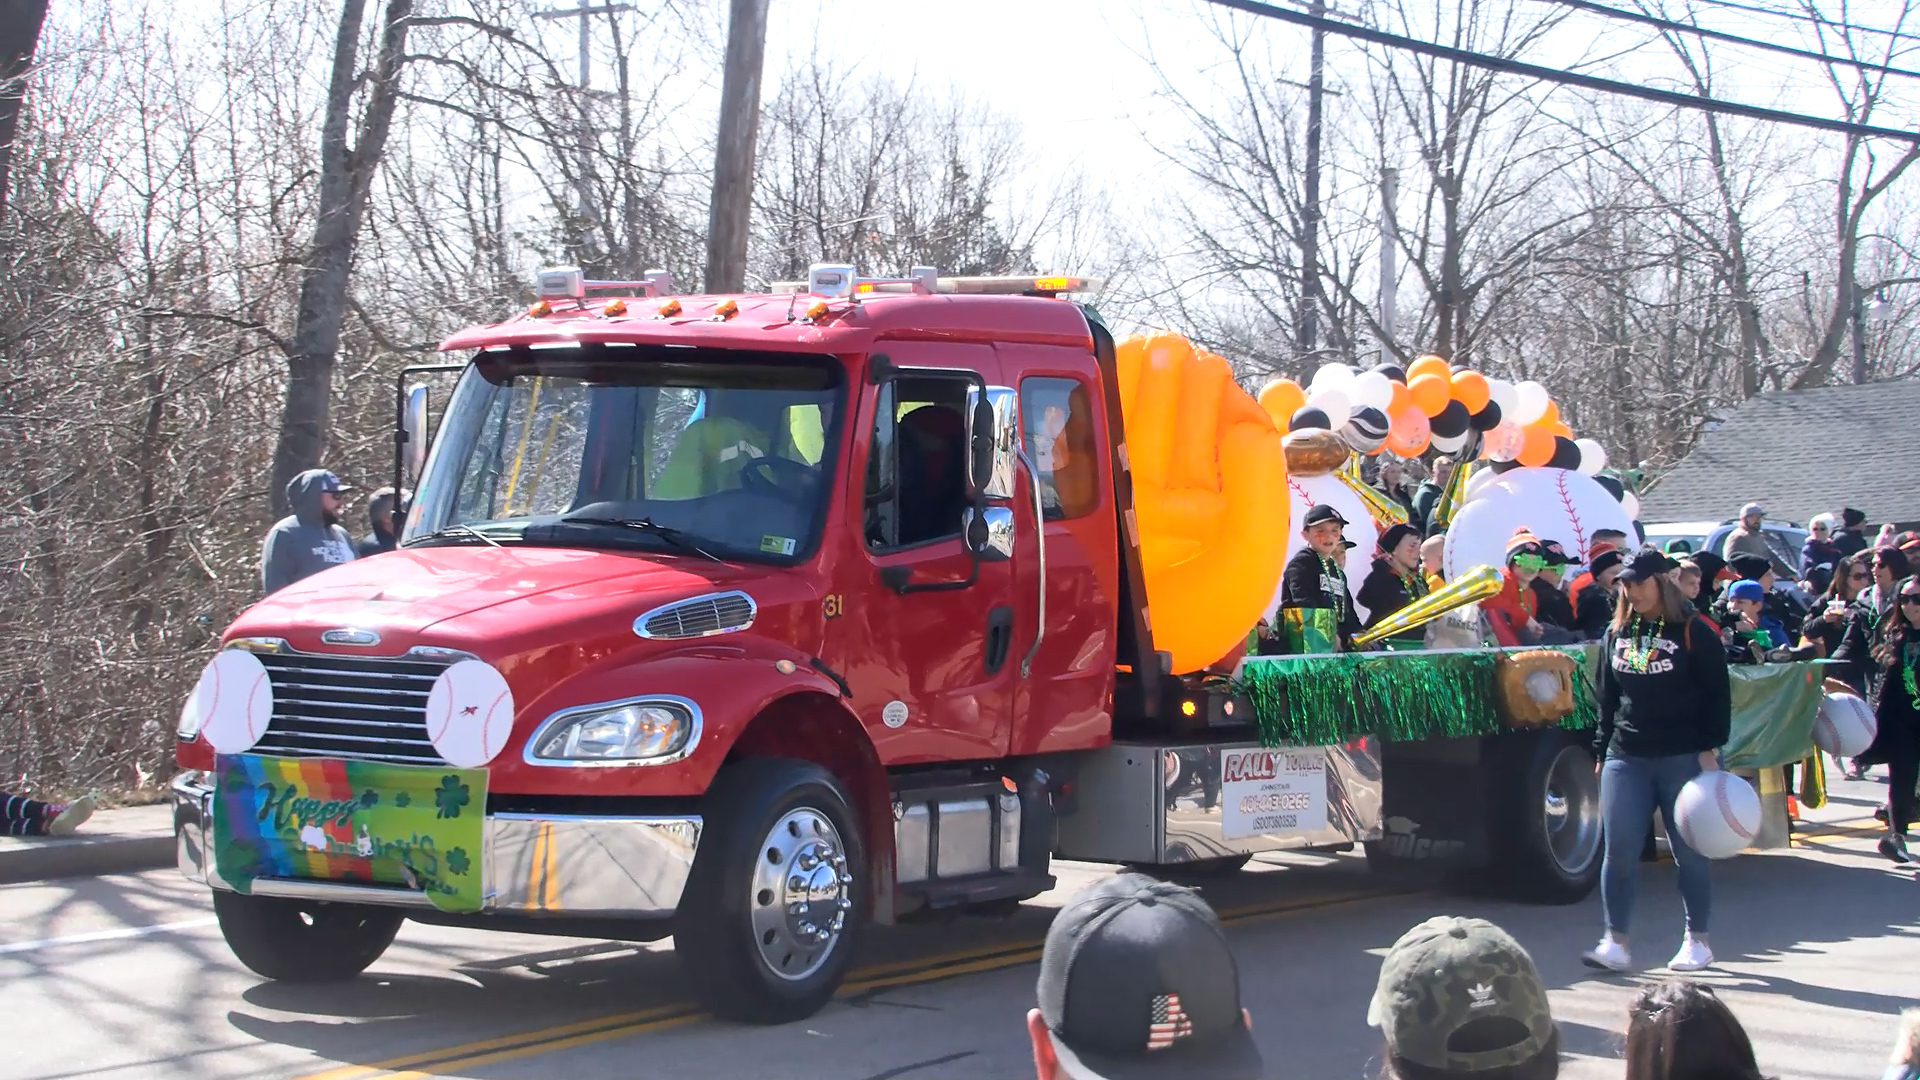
[1546, 830]
[774, 905]
[301, 940]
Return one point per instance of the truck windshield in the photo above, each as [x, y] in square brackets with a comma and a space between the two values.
[719, 454]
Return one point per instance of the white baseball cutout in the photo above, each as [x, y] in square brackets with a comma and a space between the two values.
[470, 714]
[1303, 492]
[1717, 814]
[232, 702]
[1554, 504]
[1845, 726]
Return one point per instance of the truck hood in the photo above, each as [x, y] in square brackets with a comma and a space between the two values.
[403, 593]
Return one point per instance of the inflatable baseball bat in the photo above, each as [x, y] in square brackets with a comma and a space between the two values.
[1386, 512]
[1452, 495]
[1470, 588]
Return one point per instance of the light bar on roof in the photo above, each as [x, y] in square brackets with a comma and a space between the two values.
[841, 282]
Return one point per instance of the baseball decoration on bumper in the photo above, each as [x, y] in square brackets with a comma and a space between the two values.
[470, 713]
[232, 703]
[1717, 814]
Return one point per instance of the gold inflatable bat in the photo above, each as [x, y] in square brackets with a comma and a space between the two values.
[1452, 494]
[1470, 588]
[1385, 512]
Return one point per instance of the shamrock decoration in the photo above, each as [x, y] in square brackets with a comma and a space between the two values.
[403, 800]
[449, 797]
[369, 798]
[457, 861]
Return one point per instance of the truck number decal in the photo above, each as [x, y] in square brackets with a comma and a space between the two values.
[833, 606]
[1272, 792]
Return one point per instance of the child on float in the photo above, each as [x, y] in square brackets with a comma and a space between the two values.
[1513, 611]
[1316, 606]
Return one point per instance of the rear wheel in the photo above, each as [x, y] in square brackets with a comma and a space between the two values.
[774, 905]
[1548, 833]
[301, 940]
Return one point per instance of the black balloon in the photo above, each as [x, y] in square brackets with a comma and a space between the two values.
[1452, 421]
[1486, 419]
[1503, 466]
[1393, 371]
[1613, 486]
[1566, 455]
[1307, 417]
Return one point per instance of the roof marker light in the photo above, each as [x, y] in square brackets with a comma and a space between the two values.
[540, 309]
[726, 309]
[669, 308]
[613, 309]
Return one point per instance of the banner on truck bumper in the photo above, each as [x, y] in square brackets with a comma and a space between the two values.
[1272, 792]
[361, 822]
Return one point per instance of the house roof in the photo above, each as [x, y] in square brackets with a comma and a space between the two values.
[1800, 453]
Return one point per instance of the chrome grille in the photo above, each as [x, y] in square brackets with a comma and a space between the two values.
[363, 707]
[702, 616]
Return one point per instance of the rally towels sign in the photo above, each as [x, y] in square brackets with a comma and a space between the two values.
[359, 822]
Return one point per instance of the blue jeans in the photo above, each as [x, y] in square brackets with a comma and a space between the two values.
[1631, 788]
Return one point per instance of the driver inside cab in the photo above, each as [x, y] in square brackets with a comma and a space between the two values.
[737, 428]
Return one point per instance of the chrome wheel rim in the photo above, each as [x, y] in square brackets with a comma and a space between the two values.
[802, 894]
[1571, 810]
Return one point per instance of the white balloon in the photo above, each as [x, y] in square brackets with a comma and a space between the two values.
[1593, 456]
[1477, 484]
[1502, 393]
[1717, 814]
[1332, 401]
[1370, 390]
[1553, 504]
[1331, 376]
[1503, 443]
[1450, 446]
[1530, 402]
[1630, 503]
[1304, 491]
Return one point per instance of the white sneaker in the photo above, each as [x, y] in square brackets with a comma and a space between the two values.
[1693, 956]
[1609, 955]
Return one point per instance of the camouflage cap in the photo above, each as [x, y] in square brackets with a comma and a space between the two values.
[1461, 995]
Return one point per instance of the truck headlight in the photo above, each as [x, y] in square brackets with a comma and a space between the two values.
[648, 731]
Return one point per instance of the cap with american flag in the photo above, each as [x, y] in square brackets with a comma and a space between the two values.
[1137, 980]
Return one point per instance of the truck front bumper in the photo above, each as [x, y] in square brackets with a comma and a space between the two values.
[535, 864]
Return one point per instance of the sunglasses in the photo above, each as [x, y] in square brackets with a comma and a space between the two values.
[1531, 563]
[1910, 598]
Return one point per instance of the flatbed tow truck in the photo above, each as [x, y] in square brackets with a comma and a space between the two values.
[755, 620]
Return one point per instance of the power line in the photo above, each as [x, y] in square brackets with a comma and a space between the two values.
[1816, 19]
[1569, 78]
[1721, 35]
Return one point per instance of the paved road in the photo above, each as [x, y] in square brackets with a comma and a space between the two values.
[127, 977]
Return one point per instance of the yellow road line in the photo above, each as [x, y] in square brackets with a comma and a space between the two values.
[876, 977]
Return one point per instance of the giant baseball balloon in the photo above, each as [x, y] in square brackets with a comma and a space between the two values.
[1555, 504]
[1304, 491]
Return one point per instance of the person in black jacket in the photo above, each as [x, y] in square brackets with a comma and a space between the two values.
[1850, 537]
[1887, 649]
[1593, 608]
[1665, 708]
[1395, 580]
[1314, 582]
[1550, 590]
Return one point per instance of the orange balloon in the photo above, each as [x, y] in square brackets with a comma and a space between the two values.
[1430, 393]
[1561, 429]
[1470, 389]
[1537, 448]
[1409, 433]
[1551, 416]
[1401, 399]
[1282, 398]
[1428, 365]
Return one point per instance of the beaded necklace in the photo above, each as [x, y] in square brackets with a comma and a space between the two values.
[1337, 596]
[1910, 659]
[1638, 654]
[1416, 585]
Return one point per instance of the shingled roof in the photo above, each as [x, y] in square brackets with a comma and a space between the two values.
[1800, 453]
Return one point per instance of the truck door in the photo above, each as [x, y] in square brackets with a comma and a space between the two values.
[1064, 701]
[923, 632]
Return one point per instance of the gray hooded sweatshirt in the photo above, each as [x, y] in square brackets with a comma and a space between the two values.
[306, 542]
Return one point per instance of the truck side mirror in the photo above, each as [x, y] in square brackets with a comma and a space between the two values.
[989, 532]
[990, 461]
[413, 428]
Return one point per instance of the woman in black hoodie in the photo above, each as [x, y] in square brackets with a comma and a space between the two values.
[1665, 709]
[1887, 649]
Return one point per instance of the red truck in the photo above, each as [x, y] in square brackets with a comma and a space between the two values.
[802, 611]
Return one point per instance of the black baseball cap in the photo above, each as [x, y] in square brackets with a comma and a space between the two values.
[1320, 513]
[1648, 562]
[1137, 980]
[1556, 555]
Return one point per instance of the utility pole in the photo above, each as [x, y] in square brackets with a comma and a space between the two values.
[1309, 322]
[733, 152]
[582, 231]
[1389, 272]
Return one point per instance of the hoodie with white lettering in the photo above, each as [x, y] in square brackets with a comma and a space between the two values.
[308, 540]
[1663, 690]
